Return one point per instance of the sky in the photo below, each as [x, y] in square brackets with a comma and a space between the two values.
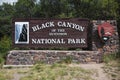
[7, 1]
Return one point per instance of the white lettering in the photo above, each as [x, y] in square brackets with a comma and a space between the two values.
[70, 25]
[76, 41]
[33, 41]
[45, 25]
[52, 24]
[59, 24]
[48, 41]
[83, 41]
[35, 28]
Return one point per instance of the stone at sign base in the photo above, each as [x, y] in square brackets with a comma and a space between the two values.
[30, 57]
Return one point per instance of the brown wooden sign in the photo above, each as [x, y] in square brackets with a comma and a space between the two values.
[48, 33]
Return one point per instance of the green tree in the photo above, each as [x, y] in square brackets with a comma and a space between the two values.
[5, 45]
[24, 8]
[6, 13]
[95, 9]
[6, 10]
[5, 26]
[37, 13]
[67, 10]
[118, 22]
[50, 8]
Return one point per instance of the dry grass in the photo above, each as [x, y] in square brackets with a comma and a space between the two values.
[57, 72]
[113, 69]
[62, 72]
[6, 74]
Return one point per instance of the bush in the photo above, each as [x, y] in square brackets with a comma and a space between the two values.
[118, 55]
[1, 62]
[5, 45]
[109, 57]
[67, 60]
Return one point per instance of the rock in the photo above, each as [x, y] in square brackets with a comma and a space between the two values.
[28, 57]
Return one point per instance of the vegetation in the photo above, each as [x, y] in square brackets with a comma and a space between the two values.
[6, 74]
[9, 73]
[47, 72]
[57, 72]
[107, 58]
[62, 72]
[92, 9]
[113, 69]
[112, 66]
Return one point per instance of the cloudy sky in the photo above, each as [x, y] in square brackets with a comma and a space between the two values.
[10, 1]
[7, 1]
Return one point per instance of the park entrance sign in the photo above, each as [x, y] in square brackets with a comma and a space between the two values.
[62, 34]
[50, 33]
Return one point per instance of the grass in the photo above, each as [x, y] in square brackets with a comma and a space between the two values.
[60, 71]
[47, 72]
[112, 66]
[113, 69]
[57, 72]
[109, 57]
[6, 74]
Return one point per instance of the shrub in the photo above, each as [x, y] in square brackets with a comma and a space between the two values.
[109, 57]
[5, 45]
[67, 60]
[1, 62]
[118, 55]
